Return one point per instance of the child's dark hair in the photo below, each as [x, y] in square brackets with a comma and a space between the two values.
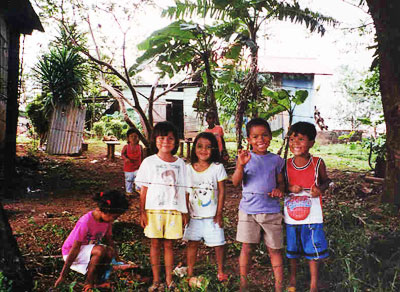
[257, 122]
[211, 114]
[131, 131]
[215, 156]
[304, 128]
[162, 129]
[111, 202]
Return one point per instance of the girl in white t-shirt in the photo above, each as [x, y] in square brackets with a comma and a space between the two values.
[206, 179]
[163, 211]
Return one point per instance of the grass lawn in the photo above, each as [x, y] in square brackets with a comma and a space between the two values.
[345, 157]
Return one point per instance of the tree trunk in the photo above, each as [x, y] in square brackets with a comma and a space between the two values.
[11, 261]
[249, 92]
[385, 17]
[210, 87]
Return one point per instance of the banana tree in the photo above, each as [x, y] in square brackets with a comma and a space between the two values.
[283, 101]
[188, 46]
[251, 14]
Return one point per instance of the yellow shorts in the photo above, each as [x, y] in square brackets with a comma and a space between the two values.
[163, 224]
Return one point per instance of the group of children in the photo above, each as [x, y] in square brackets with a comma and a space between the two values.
[171, 192]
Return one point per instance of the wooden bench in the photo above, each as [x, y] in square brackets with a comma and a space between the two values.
[111, 148]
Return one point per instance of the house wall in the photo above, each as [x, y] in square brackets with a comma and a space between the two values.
[4, 43]
[303, 112]
[187, 94]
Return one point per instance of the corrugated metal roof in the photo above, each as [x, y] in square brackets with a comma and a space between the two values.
[270, 64]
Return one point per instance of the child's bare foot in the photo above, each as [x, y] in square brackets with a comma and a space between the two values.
[88, 288]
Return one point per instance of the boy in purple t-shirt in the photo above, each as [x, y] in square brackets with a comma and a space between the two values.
[259, 211]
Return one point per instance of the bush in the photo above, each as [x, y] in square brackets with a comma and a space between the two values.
[99, 129]
[110, 126]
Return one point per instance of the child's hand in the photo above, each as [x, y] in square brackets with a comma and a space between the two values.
[276, 193]
[243, 157]
[143, 219]
[295, 189]
[315, 191]
[219, 220]
[185, 219]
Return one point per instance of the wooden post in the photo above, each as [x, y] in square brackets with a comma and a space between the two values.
[181, 144]
[188, 150]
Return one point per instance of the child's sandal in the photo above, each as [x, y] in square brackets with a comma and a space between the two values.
[154, 287]
[222, 277]
[172, 286]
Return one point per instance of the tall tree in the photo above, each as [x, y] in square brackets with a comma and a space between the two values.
[252, 14]
[385, 16]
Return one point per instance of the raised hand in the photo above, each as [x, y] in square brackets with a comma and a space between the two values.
[243, 156]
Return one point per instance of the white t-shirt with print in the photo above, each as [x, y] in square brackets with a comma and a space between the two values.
[166, 183]
[203, 192]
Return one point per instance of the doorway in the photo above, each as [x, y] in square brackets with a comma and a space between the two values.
[175, 115]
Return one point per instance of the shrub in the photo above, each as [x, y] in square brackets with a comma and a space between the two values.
[99, 129]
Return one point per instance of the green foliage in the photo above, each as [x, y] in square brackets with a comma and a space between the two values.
[99, 129]
[62, 74]
[280, 101]
[111, 125]
[249, 11]
[38, 116]
[5, 284]
[362, 98]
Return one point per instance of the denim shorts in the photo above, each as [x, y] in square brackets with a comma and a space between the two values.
[306, 240]
[205, 229]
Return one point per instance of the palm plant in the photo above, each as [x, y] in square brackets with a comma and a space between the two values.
[62, 74]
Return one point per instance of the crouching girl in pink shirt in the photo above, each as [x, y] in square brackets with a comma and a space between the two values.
[82, 250]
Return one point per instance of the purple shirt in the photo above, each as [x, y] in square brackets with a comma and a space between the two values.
[87, 230]
[259, 179]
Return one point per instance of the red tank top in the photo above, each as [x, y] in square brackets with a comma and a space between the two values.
[133, 152]
[301, 208]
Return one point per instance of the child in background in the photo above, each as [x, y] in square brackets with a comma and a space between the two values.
[217, 130]
[162, 181]
[82, 250]
[206, 178]
[307, 180]
[132, 155]
[259, 211]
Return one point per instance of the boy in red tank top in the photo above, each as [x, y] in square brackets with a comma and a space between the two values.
[306, 180]
[132, 155]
